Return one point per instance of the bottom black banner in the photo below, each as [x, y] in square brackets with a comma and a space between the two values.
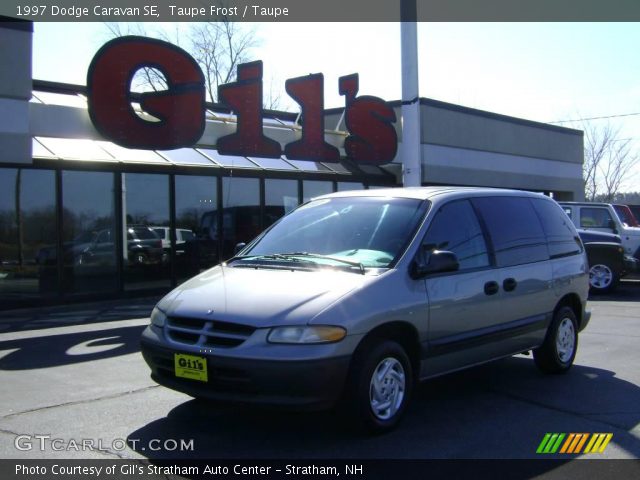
[319, 468]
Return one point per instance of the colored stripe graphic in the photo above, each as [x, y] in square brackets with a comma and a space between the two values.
[594, 437]
[578, 442]
[567, 443]
[543, 443]
[550, 443]
[597, 442]
[583, 439]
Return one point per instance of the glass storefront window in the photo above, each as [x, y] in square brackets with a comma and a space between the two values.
[241, 212]
[281, 196]
[212, 216]
[27, 233]
[196, 225]
[315, 188]
[145, 211]
[88, 226]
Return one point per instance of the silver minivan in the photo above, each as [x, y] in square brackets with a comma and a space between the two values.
[354, 297]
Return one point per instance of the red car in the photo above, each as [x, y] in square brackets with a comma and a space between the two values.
[626, 215]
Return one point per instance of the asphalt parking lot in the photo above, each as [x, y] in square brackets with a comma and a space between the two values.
[74, 374]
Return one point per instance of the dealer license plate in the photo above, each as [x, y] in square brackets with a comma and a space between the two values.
[190, 366]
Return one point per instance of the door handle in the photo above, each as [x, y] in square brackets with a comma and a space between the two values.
[509, 284]
[491, 288]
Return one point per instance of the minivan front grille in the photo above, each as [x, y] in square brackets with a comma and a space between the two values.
[207, 333]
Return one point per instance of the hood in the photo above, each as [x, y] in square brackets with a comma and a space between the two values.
[261, 297]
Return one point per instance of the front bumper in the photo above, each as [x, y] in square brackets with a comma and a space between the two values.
[300, 384]
[631, 264]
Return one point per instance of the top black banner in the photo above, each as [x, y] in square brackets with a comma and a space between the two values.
[321, 10]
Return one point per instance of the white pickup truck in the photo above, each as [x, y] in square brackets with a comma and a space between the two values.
[602, 217]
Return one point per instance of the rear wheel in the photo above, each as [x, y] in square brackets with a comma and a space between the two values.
[380, 386]
[559, 349]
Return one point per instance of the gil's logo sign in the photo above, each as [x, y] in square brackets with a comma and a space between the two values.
[180, 110]
[574, 443]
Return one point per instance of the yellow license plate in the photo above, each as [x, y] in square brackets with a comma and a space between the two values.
[190, 366]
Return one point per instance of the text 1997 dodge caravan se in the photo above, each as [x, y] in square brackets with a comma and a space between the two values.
[355, 296]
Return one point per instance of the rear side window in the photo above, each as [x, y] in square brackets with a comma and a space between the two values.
[595, 218]
[557, 227]
[514, 229]
[456, 228]
[160, 232]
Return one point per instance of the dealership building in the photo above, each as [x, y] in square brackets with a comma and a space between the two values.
[82, 218]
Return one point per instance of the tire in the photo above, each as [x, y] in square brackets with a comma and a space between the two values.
[602, 278]
[379, 386]
[560, 345]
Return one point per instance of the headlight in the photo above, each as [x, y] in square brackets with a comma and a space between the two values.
[307, 334]
[158, 318]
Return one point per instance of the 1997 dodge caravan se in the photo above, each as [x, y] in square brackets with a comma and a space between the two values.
[355, 296]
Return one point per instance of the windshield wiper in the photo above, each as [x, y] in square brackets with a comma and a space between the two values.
[325, 257]
[291, 257]
[270, 256]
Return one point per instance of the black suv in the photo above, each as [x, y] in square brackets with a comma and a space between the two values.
[607, 261]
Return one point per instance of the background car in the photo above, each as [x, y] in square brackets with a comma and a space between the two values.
[144, 247]
[602, 217]
[606, 260]
[635, 209]
[626, 215]
[183, 235]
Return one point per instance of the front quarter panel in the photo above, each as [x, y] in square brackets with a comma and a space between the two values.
[392, 297]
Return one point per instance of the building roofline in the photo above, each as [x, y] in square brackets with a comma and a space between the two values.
[46, 85]
[480, 113]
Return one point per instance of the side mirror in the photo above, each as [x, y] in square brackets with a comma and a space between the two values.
[239, 246]
[440, 261]
[612, 226]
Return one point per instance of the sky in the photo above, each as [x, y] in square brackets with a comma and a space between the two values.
[546, 72]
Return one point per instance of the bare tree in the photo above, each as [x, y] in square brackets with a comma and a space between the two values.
[218, 48]
[608, 161]
[146, 79]
[271, 98]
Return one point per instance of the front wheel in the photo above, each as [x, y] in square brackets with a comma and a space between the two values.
[602, 278]
[380, 386]
[559, 349]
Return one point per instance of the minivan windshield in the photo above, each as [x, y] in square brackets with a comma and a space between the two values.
[349, 232]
